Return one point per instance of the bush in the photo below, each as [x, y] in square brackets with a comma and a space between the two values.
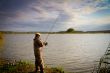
[70, 30]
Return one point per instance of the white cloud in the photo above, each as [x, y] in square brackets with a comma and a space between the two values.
[76, 11]
[49, 9]
[105, 20]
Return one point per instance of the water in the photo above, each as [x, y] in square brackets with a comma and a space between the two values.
[74, 52]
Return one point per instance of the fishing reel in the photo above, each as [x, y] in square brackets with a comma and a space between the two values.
[45, 43]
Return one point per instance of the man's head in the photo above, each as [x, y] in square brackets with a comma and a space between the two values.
[37, 35]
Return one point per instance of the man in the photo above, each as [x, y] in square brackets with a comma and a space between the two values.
[38, 45]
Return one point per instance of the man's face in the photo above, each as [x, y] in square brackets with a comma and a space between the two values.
[38, 36]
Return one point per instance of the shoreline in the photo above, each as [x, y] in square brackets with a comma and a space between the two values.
[51, 33]
[24, 67]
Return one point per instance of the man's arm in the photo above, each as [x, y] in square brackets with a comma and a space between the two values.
[40, 43]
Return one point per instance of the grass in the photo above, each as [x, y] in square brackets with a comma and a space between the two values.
[54, 70]
[16, 67]
[24, 67]
[104, 70]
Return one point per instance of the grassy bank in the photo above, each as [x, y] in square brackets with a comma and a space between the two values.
[23, 67]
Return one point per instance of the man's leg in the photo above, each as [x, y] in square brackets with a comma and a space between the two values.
[41, 68]
[36, 66]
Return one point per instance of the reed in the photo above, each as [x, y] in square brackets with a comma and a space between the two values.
[104, 70]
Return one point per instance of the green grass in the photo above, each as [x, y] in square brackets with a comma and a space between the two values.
[54, 70]
[24, 67]
[16, 67]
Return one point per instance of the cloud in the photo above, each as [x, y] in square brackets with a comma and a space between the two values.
[38, 13]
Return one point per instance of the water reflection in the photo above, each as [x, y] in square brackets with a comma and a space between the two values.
[1, 40]
[1, 45]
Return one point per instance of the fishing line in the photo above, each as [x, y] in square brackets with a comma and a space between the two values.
[52, 27]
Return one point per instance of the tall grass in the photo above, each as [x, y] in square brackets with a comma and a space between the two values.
[16, 67]
[24, 67]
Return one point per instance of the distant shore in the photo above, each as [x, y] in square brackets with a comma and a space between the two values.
[60, 32]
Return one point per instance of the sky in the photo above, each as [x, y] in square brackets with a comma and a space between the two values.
[41, 15]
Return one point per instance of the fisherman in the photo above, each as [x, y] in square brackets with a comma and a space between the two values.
[38, 45]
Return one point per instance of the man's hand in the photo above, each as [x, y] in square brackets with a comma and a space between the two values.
[45, 43]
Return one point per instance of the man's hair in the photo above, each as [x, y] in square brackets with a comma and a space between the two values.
[37, 34]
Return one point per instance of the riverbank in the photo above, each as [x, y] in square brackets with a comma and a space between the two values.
[24, 67]
[62, 32]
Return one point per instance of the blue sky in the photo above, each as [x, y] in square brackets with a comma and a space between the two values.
[40, 15]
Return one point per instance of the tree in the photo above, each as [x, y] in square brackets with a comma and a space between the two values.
[70, 30]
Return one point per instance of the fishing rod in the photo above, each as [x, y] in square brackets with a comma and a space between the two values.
[52, 27]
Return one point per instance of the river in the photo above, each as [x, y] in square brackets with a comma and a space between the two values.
[73, 52]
